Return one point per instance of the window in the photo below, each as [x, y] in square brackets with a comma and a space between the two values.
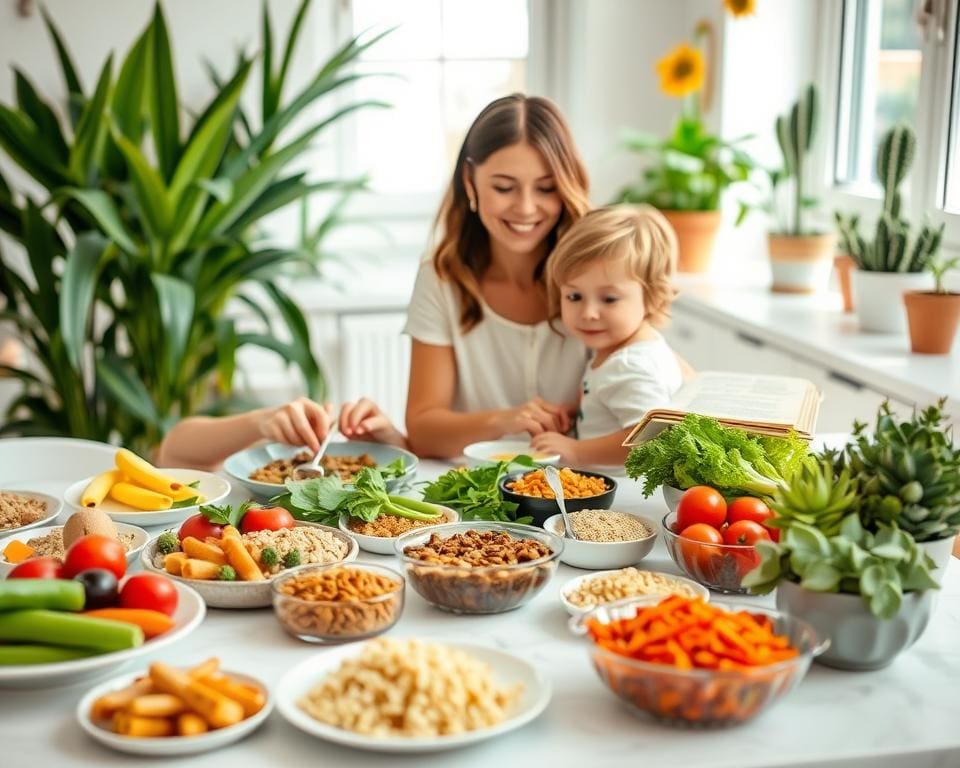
[952, 181]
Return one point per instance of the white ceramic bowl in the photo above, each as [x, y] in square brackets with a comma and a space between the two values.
[213, 487]
[575, 610]
[170, 745]
[671, 496]
[53, 504]
[492, 451]
[239, 594]
[140, 538]
[190, 612]
[602, 555]
[381, 545]
[505, 667]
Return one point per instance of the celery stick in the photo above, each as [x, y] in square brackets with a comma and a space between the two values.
[68, 629]
[40, 654]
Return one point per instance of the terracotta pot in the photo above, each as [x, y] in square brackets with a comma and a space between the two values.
[878, 298]
[696, 232]
[932, 319]
[800, 263]
[844, 264]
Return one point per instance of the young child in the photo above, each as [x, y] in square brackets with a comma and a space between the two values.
[609, 280]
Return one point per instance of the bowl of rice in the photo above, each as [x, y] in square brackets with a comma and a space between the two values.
[605, 538]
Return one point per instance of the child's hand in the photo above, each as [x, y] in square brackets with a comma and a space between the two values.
[553, 442]
[536, 417]
[301, 422]
[364, 419]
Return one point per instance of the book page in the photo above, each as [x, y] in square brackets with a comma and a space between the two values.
[745, 397]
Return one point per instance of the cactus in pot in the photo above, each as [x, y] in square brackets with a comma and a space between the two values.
[795, 132]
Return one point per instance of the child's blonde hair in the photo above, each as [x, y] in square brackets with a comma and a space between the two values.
[638, 233]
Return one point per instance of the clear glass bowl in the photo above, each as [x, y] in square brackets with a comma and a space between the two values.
[720, 567]
[483, 589]
[700, 698]
[337, 621]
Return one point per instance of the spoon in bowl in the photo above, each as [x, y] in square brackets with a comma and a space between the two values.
[312, 468]
[553, 480]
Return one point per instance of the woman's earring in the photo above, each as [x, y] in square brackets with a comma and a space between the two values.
[473, 205]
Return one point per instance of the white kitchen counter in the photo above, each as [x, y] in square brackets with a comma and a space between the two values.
[903, 715]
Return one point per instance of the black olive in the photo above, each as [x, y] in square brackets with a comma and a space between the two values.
[99, 588]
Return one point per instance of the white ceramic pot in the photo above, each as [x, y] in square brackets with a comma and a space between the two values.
[800, 264]
[878, 298]
[941, 550]
[671, 497]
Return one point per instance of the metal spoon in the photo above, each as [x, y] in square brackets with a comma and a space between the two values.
[313, 469]
[553, 480]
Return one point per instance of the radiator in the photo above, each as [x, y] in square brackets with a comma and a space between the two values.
[375, 361]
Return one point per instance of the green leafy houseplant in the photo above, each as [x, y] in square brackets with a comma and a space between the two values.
[879, 566]
[145, 229]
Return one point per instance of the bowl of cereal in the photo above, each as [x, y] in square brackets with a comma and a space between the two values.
[231, 576]
[377, 536]
[584, 593]
[479, 567]
[581, 490]
[605, 538]
[331, 604]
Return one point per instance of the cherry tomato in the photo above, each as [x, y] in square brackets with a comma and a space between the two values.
[151, 591]
[199, 527]
[750, 508]
[266, 519]
[697, 547]
[745, 532]
[95, 551]
[38, 568]
[701, 504]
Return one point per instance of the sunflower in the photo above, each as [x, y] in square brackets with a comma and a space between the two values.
[681, 71]
[740, 8]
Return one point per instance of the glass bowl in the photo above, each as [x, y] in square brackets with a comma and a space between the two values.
[700, 698]
[478, 589]
[337, 621]
[720, 567]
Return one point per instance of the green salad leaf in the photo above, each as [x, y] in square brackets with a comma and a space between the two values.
[475, 493]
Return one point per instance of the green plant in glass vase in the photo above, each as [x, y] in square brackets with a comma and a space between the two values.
[140, 227]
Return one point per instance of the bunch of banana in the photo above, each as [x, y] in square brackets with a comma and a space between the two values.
[908, 472]
[816, 496]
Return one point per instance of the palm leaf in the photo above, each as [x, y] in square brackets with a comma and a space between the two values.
[42, 116]
[80, 272]
[91, 130]
[103, 208]
[153, 204]
[118, 378]
[70, 76]
[300, 340]
[175, 298]
[162, 102]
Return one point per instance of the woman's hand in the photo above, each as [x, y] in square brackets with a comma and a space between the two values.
[364, 419]
[536, 417]
[300, 422]
[552, 443]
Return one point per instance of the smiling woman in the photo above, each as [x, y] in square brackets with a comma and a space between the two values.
[485, 362]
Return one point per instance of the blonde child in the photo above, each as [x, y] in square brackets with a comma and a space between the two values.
[609, 280]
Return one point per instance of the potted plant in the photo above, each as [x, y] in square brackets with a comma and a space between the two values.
[686, 173]
[869, 593]
[800, 257]
[932, 316]
[890, 264]
[140, 228]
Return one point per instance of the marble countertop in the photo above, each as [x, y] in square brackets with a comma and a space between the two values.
[902, 715]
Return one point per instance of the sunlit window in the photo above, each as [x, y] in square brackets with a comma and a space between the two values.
[952, 192]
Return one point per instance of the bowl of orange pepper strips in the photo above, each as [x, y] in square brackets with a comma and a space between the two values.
[686, 662]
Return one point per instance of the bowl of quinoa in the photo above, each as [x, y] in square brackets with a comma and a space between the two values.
[377, 536]
[605, 538]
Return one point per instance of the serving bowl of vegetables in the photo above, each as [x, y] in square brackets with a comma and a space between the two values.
[724, 666]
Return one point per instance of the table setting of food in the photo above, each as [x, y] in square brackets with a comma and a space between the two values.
[499, 607]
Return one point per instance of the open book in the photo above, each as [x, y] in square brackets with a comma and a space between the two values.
[769, 405]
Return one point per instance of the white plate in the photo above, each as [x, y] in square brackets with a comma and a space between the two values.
[140, 538]
[575, 610]
[240, 594]
[213, 487]
[170, 745]
[190, 612]
[54, 505]
[383, 545]
[506, 669]
[480, 454]
[50, 464]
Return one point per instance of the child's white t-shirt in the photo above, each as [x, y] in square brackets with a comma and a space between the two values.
[500, 363]
[617, 393]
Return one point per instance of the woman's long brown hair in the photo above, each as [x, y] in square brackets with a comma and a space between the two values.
[462, 254]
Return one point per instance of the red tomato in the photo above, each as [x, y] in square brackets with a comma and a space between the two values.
[199, 527]
[266, 519]
[701, 504]
[94, 551]
[698, 549]
[750, 508]
[745, 532]
[151, 591]
[38, 568]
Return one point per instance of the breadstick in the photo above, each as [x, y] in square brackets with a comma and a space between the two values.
[202, 551]
[189, 724]
[245, 566]
[213, 706]
[247, 696]
[146, 727]
[199, 569]
[173, 563]
[110, 703]
[156, 705]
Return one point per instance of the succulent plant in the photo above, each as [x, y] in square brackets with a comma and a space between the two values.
[880, 566]
[908, 473]
[815, 495]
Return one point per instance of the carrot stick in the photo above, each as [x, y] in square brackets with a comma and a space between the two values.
[152, 623]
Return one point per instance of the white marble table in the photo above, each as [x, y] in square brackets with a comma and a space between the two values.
[905, 715]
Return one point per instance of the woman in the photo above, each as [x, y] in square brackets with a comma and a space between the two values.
[485, 361]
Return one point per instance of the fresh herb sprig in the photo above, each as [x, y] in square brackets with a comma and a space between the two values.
[475, 493]
[226, 514]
